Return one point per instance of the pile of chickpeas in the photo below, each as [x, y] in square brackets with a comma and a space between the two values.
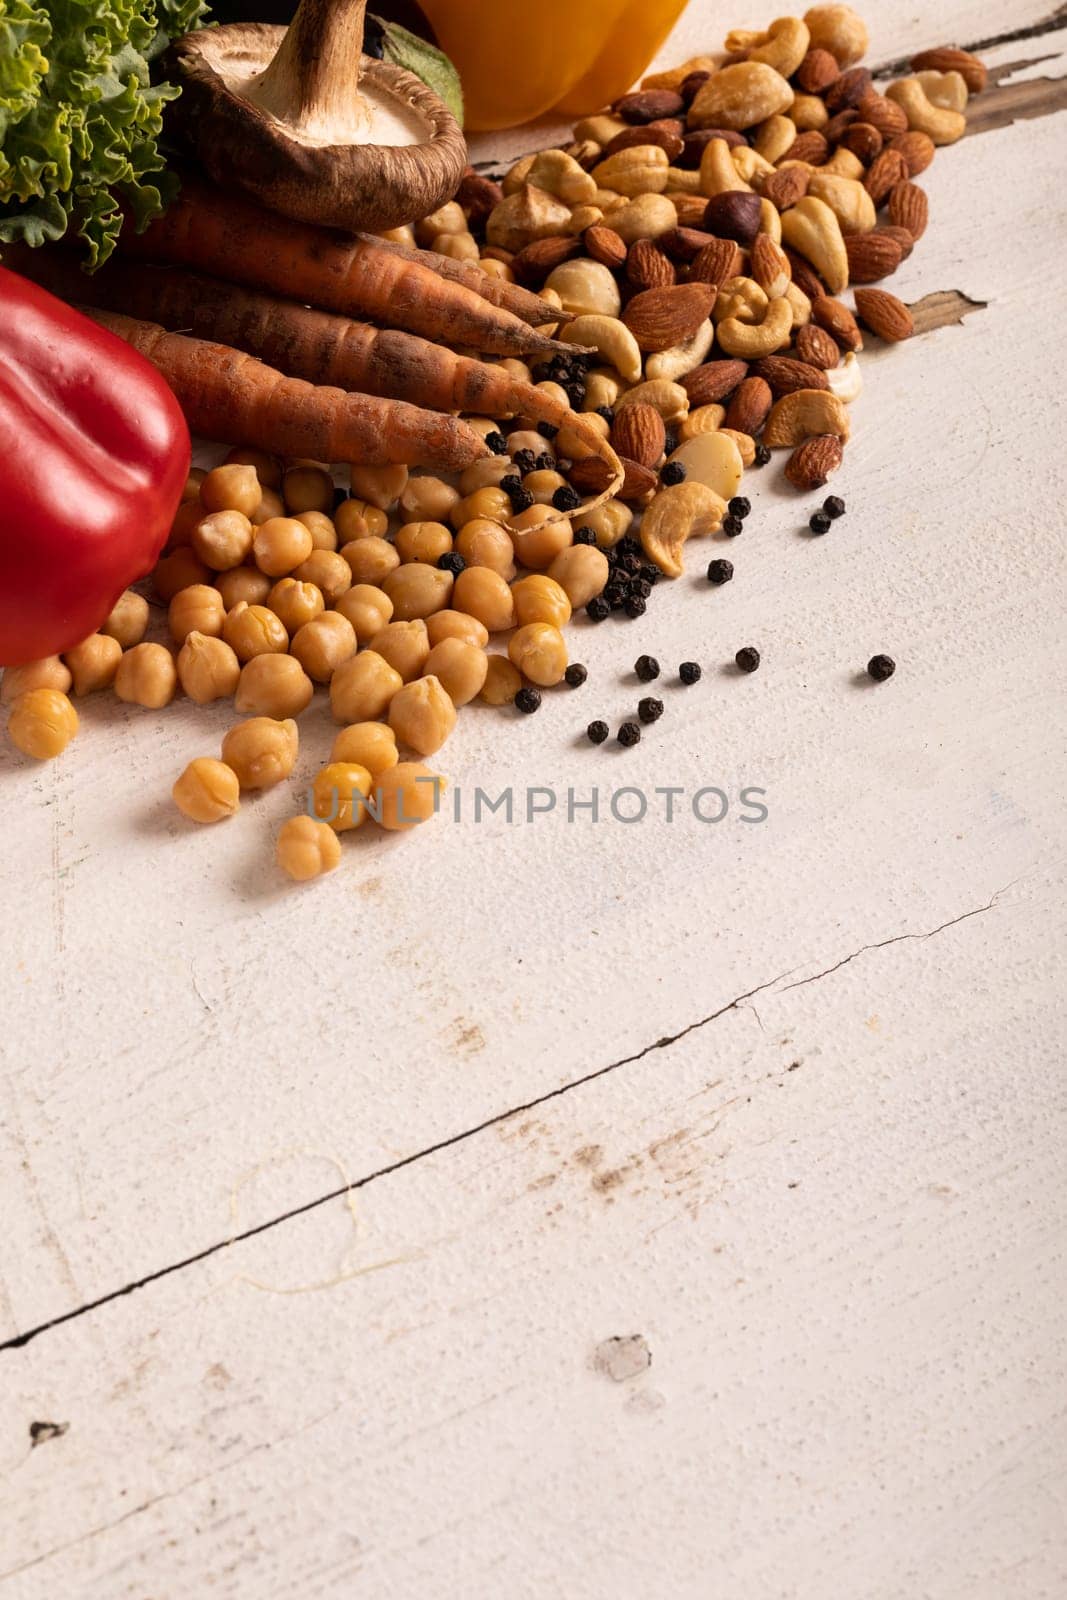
[272, 587]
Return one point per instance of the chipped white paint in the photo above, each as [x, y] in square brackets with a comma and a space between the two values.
[831, 1209]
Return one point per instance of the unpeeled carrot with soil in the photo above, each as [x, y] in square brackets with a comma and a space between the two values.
[227, 234]
[512, 296]
[229, 396]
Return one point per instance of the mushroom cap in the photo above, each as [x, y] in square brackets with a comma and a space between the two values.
[294, 171]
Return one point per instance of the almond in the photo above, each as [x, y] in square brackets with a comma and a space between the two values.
[649, 105]
[946, 59]
[786, 186]
[697, 138]
[886, 171]
[815, 347]
[838, 321]
[805, 277]
[885, 115]
[864, 141]
[813, 461]
[604, 245]
[713, 381]
[647, 267]
[810, 147]
[535, 261]
[848, 90]
[688, 209]
[909, 208]
[660, 318]
[667, 140]
[902, 237]
[478, 196]
[682, 244]
[817, 71]
[834, 130]
[747, 411]
[783, 374]
[638, 432]
[871, 256]
[884, 314]
[591, 475]
[638, 481]
[803, 414]
[691, 83]
[917, 148]
[715, 262]
[734, 214]
[769, 266]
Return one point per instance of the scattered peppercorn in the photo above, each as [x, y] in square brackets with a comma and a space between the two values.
[521, 500]
[576, 675]
[739, 506]
[650, 574]
[547, 430]
[650, 710]
[496, 443]
[732, 526]
[525, 461]
[545, 462]
[762, 456]
[528, 701]
[584, 536]
[720, 571]
[881, 667]
[819, 522]
[634, 606]
[670, 442]
[566, 498]
[607, 412]
[597, 732]
[673, 472]
[647, 668]
[834, 506]
[629, 735]
[747, 658]
[689, 672]
[640, 586]
[452, 562]
[512, 484]
[598, 608]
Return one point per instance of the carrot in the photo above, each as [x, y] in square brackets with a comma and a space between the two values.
[512, 296]
[228, 234]
[228, 396]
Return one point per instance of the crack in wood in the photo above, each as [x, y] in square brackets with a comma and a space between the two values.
[1035, 30]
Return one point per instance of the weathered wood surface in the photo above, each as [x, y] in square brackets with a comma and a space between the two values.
[783, 1101]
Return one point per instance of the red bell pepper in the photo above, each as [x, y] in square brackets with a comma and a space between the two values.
[94, 454]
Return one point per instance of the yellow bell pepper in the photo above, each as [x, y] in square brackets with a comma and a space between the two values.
[571, 56]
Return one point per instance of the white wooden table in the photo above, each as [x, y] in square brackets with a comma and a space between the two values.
[652, 1210]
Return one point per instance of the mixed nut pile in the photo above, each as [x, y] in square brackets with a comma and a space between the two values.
[698, 234]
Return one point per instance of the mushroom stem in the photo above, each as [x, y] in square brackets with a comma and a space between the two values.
[315, 74]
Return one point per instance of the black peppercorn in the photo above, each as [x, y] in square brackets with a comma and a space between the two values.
[584, 536]
[496, 443]
[689, 672]
[720, 571]
[670, 442]
[819, 522]
[525, 460]
[747, 658]
[598, 608]
[528, 701]
[834, 506]
[607, 412]
[615, 595]
[451, 562]
[566, 498]
[629, 735]
[521, 500]
[732, 526]
[673, 472]
[739, 506]
[641, 586]
[649, 710]
[547, 430]
[881, 667]
[647, 668]
[634, 606]
[545, 463]
[650, 574]
[762, 456]
[576, 675]
[596, 732]
[511, 483]
[628, 547]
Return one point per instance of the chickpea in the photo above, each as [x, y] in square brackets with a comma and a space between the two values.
[323, 533]
[486, 474]
[487, 544]
[539, 653]
[609, 522]
[527, 439]
[198, 609]
[405, 645]
[147, 676]
[369, 744]
[460, 246]
[496, 269]
[295, 602]
[222, 540]
[516, 369]
[448, 218]
[541, 599]
[48, 673]
[536, 540]
[270, 505]
[192, 483]
[422, 715]
[367, 608]
[491, 503]
[188, 514]
[307, 848]
[406, 795]
[254, 631]
[307, 489]
[268, 468]
[417, 590]
[208, 669]
[207, 791]
[322, 645]
[42, 723]
[261, 751]
[370, 559]
[94, 663]
[459, 667]
[482, 426]
[355, 519]
[362, 687]
[427, 500]
[328, 571]
[178, 571]
[273, 686]
[243, 583]
[582, 571]
[234, 486]
[379, 486]
[423, 541]
[456, 625]
[543, 485]
[502, 681]
[484, 595]
[127, 619]
[334, 795]
[280, 544]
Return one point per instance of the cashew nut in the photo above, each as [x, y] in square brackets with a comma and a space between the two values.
[603, 386]
[800, 303]
[783, 46]
[611, 339]
[808, 113]
[705, 419]
[797, 416]
[675, 514]
[600, 129]
[583, 217]
[516, 175]
[644, 218]
[948, 90]
[585, 288]
[847, 199]
[558, 173]
[718, 174]
[770, 221]
[742, 299]
[749, 164]
[748, 343]
[740, 96]
[942, 126]
[669, 399]
[639, 169]
[846, 380]
[774, 137]
[745, 443]
[815, 233]
[681, 358]
[839, 30]
[674, 77]
[843, 164]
